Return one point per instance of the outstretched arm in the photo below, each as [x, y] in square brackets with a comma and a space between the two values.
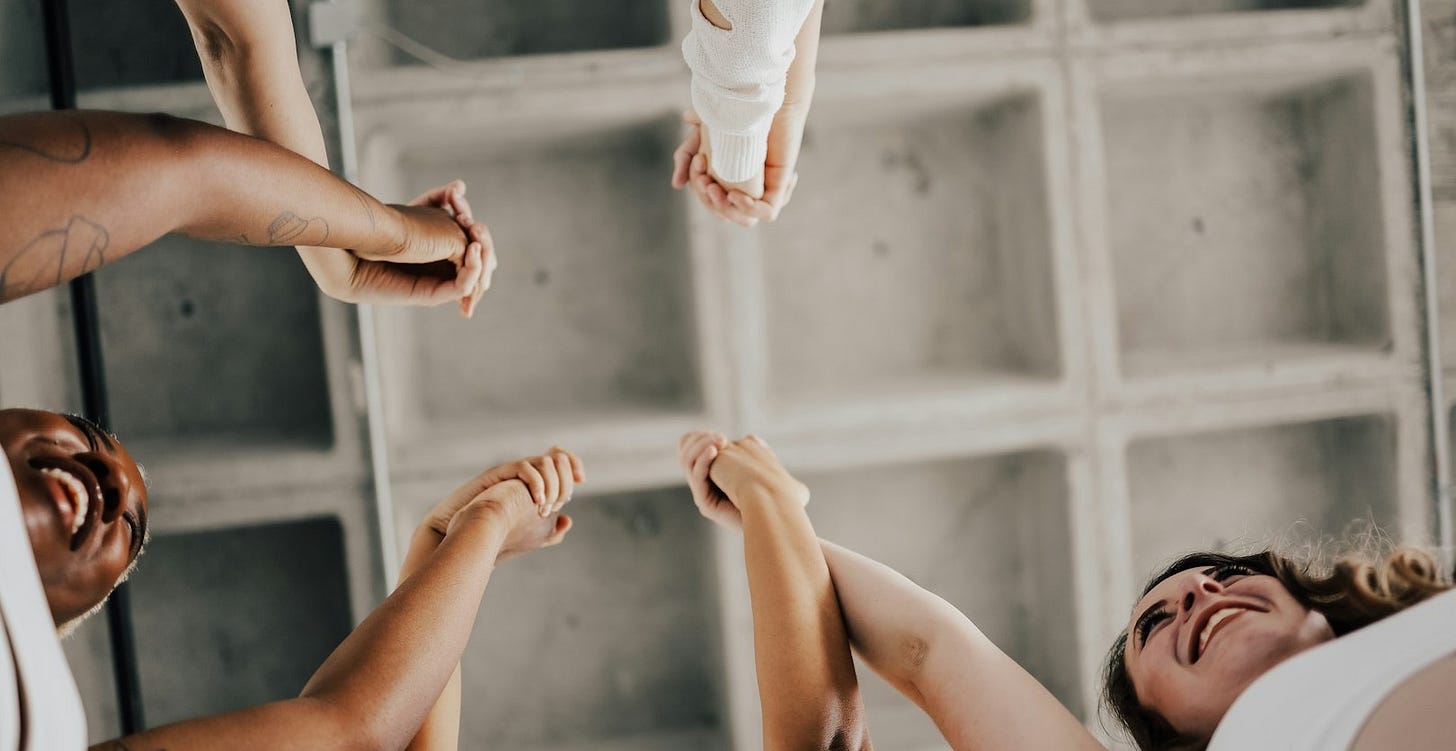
[79, 189]
[250, 60]
[806, 682]
[923, 646]
[376, 688]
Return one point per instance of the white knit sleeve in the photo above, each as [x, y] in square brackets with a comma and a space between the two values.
[738, 77]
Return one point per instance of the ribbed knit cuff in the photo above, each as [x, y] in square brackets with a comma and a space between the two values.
[737, 157]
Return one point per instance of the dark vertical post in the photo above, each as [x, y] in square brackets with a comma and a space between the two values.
[93, 376]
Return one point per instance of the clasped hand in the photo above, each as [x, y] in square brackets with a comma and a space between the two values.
[727, 477]
[747, 203]
[524, 496]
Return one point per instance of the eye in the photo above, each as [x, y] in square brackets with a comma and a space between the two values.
[1230, 570]
[1146, 624]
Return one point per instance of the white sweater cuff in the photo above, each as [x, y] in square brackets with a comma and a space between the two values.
[737, 157]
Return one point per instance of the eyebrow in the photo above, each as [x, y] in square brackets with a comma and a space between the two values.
[94, 433]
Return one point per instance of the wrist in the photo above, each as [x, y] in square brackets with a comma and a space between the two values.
[771, 496]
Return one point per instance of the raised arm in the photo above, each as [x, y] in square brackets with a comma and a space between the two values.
[376, 688]
[250, 59]
[806, 682]
[79, 189]
[764, 195]
[923, 646]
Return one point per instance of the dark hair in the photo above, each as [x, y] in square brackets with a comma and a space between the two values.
[1356, 591]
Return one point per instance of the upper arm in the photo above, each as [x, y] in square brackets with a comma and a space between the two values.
[982, 699]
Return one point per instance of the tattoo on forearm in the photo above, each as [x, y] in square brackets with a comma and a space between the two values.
[69, 151]
[287, 228]
[56, 254]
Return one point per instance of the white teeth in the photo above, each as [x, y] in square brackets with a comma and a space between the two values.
[1214, 620]
[80, 499]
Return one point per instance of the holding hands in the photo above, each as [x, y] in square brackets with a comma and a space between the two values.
[443, 255]
[523, 497]
[728, 479]
[760, 198]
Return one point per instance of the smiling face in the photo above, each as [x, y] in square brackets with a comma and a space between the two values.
[1201, 636]
[84, 502]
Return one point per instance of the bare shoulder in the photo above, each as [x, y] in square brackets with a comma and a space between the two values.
[1417, 714]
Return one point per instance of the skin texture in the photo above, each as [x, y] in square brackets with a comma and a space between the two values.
[250, 59]
[378, 686]
[977, 695]
[762, 198]
[1193, 688]
[807, 687]
[84, 188]
[79, 572]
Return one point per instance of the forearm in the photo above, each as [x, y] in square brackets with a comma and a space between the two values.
[800, 81]
[250, 60]
[398, 661]
[806, 677]
[441, 728]
[81, 189]
[376, 688]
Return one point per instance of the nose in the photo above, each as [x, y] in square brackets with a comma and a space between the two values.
[1202, 586]
[115, 486]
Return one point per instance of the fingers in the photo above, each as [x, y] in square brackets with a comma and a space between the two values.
[472, 272]
[682, 158]
[698, 473]
[566, 477]
[527, 473]
[459, 205]
[481, 236]
[713, 195]
[547, 467]
[442, 196]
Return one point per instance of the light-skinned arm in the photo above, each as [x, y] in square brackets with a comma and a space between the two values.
[377, 687]
[83, 188]
[806, 682]
[765, 197]
[922, 645]
[250, 60]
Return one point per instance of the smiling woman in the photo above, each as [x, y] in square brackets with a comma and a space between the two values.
[1210, 624]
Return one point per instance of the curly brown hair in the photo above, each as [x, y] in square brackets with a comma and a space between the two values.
[1356, 591]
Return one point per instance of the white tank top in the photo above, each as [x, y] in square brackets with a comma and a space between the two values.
[32, 664]
[1319, 700]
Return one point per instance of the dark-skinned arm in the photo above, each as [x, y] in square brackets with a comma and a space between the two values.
[80, 189]
[376, 688]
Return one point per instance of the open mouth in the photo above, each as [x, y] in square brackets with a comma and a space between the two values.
[1212, 625]
[75, 501]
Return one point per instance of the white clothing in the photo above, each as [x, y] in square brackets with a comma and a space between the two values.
[1319, 699]
[32, 664]
[738, 77]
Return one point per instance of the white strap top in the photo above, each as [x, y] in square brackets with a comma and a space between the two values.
[1319, 700]
[32, 664]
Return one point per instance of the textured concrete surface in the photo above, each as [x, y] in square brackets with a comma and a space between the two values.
[214, 343]
[1236, 220]
[237, 617]
[591, 308]
[468, 29]
[989, 535]
[608, 636]
[1243, 489]
[844, 16]
[942, 268]
[1117, 10]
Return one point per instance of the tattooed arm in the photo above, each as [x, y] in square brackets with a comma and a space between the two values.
[249, 56]
[80, 189]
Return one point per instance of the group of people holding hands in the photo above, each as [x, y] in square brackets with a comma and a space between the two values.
[1220, 651]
